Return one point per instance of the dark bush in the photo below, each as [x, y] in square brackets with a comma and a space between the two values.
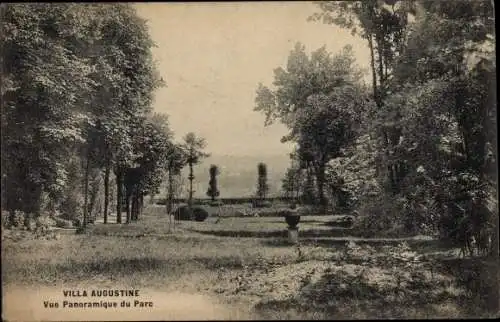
[182, 213]
[200, 214]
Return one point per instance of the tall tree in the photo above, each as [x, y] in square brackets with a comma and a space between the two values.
[262, 185]
[213, 191]
[76, 94]
[42, 112]
[128, 57]
[176, 161]
[152, 146]
[289, 184]
[384, 25]
[319, 99]
[193, 148]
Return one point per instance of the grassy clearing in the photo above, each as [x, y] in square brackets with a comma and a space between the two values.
[323, 278]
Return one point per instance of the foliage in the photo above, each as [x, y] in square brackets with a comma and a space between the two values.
[320, 100]
[196, 213]
[193, 150]
[262, 185]
[354, 175]
[76, 78]
[213, 192]
[427, 58]
[183, 213]
[448, 157]
[200, 214]
[291, 183]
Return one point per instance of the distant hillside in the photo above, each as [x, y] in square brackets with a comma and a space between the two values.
[238, 177]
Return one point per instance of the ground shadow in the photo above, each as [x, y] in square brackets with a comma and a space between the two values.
[414, 244]
[336, 232]
[343, 296]
[75, 271]
[479, 276]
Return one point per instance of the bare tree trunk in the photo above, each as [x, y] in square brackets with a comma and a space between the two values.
[106, 191]
[191, 177]
[119, 196]
[127, 204]
[140, 207]
[170, 196]
[135, 207]
[86, 192]
[320, 184]
[372, 64]
[380, 69]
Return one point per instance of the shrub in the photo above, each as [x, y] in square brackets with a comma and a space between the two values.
[5, 219]
[381, 216]
[200, 214]
[183, 213]
[17, 219]
[63, 223]
[43, 223]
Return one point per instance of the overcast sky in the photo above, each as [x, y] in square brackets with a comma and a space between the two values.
[213, 55]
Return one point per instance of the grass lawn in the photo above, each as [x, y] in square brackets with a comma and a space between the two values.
[254, 276]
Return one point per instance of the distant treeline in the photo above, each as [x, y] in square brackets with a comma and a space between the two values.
[232, 201]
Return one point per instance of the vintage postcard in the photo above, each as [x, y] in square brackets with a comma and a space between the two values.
[249, 160]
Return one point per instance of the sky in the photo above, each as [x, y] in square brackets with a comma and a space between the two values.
[213, 56]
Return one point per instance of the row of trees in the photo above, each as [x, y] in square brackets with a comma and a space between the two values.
[419, 142]
[77, 88]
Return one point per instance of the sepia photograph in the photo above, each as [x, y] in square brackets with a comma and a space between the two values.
[249, 160]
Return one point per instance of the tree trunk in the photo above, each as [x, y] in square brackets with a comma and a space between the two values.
[374, 73]
[119, 196]
[140, 207]
[380, 69]
[191, 177]
[106, 191]
[320, 184]
[135, 207]
[128, 197]
[86, 192]
[170, 196]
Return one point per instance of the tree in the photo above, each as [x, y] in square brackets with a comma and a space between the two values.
[152, 146]
[213, 191]
[262, 185]
[193, 148]
[42, 113]
[176, 161]
[112, 82]
[129, 78]
[384, 25]
[290, 184]
[320, 100]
